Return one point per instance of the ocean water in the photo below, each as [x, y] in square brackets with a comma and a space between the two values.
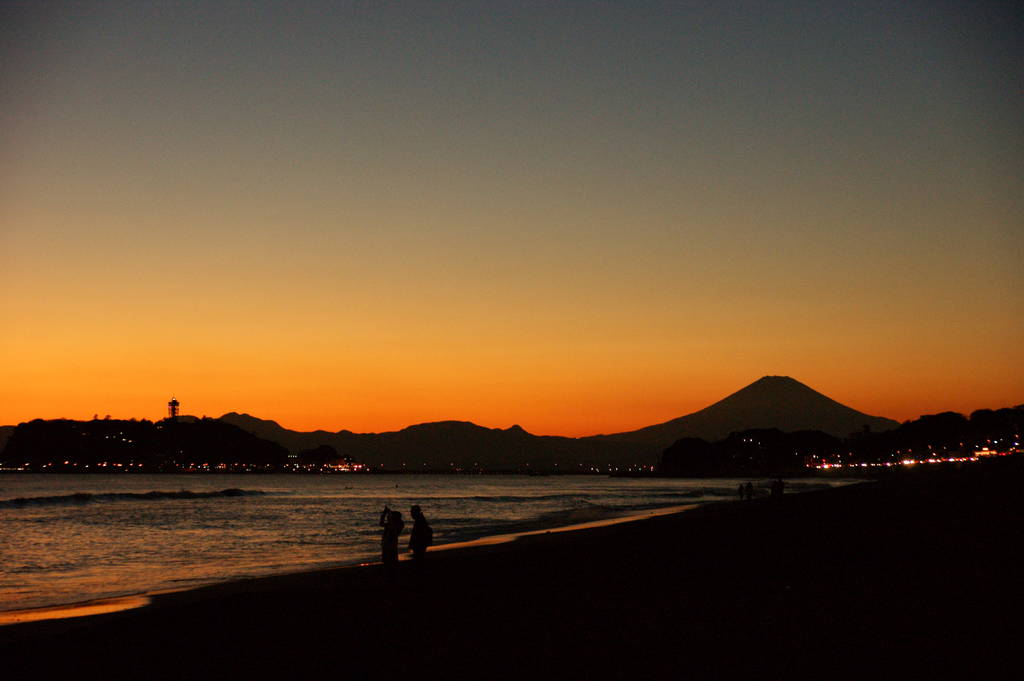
[70, 538]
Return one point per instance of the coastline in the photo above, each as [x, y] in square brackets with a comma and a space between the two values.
[107, 605]
[77, 526]
[908, 575]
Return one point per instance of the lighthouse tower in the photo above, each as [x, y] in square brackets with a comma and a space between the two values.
[172, 409]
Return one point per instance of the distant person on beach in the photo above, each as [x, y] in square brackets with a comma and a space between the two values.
[778, 487]
[393, 524]
[421, 536]
[749, 490]
[742, 491]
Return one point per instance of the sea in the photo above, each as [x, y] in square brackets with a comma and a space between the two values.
[74, 538]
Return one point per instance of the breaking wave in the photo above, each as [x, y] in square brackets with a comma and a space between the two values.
[82, 498]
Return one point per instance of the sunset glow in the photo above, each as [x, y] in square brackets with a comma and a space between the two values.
[338, 215]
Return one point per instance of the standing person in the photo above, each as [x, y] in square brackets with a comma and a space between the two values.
[393, 524]
[421, 536]
[749, 488]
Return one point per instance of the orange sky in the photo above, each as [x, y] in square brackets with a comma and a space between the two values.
[579, 223]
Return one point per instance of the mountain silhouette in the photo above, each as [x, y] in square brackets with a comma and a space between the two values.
[293, 441]
[444, 445]
[769, 402]
[5, 435]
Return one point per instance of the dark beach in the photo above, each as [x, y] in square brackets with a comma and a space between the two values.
[914, 575]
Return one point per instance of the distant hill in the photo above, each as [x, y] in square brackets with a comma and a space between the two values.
[770, 402]
[5, 435]
[444, 445]
[293, 441]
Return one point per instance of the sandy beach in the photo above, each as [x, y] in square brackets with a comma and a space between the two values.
[916, 574]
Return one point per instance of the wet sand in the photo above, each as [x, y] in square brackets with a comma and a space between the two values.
[914, 575]
[99, 606]
[129, 602]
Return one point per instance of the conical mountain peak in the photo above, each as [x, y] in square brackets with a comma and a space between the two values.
[770, 402]
[777, 383]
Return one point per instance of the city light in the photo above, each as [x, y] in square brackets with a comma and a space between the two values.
[902, 462]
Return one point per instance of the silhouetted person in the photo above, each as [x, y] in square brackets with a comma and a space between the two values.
[392, 523]
[420, 538]
[778, 487]
[749, 489]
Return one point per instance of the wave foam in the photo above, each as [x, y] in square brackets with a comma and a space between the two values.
[81, 498]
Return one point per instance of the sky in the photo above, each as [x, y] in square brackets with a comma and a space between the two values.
[578, 217]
